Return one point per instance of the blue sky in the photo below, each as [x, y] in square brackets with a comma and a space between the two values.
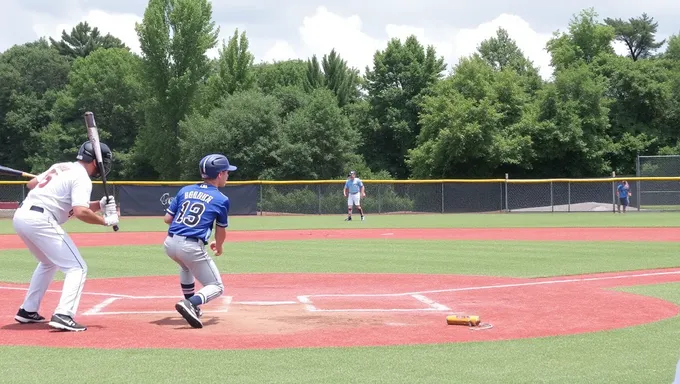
[355, 28]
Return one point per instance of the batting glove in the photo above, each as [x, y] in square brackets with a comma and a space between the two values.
[110, 209]
[111, 220]
[102, 202]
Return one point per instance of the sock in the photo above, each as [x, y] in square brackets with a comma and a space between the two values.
[349, 212]
[188, 290]
[361, 211]
[196, 300]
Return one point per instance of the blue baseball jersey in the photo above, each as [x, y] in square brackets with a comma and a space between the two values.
[623, 191]
[354, 186]
[195, 209]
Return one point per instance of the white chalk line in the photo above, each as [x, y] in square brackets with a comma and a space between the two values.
[97, 294]
[97, 308]
[305, 299]
[433, 304]
[498, 286]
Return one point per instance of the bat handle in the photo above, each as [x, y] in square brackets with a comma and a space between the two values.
[115, 227]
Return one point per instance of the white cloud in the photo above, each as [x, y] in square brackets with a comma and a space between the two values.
[120, 25]
[325, 30]
[281, 50]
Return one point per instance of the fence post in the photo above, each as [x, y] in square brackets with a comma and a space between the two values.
[318, 191]
[380, 190]
[569, 196]
[442, 197]
[637, 183]
[507, 208]
[613, 193]
[261, 211]
[552, 204]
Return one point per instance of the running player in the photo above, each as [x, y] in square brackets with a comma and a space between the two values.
[191, 216]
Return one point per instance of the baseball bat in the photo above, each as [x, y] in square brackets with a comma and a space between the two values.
[14, 172]
[93, 135]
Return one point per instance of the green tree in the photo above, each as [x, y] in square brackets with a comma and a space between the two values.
[400, 76]
[571, 139]
[174, 38]
[235, 67]
[246, 127]
[473, 123]
[501, 52]
[335, 75]
[270, 76]
[106, 82]
[639, 35]
[673, 48]
[30, 77]
[585, 42]
[319, 140]
[84, 40]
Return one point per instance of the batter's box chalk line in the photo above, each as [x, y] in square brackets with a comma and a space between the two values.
[431, 304]
[97, 309]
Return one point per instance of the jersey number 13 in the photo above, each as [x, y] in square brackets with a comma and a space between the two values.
[190, 213]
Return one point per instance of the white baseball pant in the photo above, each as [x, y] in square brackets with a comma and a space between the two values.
[54, 249]
[194, 261]
[354, 199]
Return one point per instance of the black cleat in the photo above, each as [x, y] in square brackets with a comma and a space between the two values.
[65, 323]
[25, 317]
[189, 313]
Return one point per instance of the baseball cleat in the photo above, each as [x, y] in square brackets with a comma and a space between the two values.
[25, 317]
[65, 323]
[188, 312]
[362, 218]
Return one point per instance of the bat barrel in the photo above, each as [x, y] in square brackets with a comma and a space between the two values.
[89, 120]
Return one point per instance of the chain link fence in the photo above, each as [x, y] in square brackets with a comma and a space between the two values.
[662, 195]
[458, 196]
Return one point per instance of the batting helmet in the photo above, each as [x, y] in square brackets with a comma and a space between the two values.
[86, 154]
[211, 165]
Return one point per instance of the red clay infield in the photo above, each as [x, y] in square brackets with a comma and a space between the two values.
[321, 310]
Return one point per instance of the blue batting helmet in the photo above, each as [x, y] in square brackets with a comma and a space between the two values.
[211, 165]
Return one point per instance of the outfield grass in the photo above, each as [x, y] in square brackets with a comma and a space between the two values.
[642, 354]
[494, 258]
[491, 220]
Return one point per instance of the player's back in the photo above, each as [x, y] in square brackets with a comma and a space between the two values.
[58, 188]
[195, 209]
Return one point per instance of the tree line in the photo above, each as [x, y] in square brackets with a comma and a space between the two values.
[408, 115]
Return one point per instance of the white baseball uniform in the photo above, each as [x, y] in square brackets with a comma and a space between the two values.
[38, 222]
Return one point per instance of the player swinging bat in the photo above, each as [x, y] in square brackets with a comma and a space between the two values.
[93, 135]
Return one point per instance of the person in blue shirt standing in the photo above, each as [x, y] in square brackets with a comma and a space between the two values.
[623, 191]
[191, 216]
[354, 191]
